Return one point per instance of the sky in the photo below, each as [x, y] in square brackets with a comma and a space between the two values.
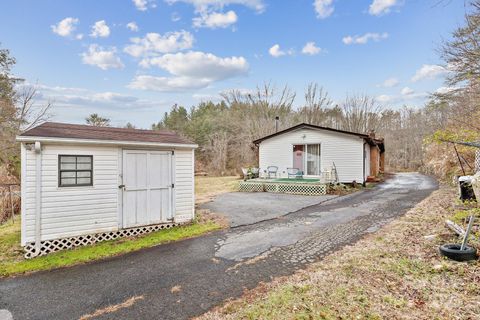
[131, 60]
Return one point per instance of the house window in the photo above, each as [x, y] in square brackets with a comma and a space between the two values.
[75, 170]
[313, 159]
[306, 157]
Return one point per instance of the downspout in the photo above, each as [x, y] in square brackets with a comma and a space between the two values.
[364, 157]
[38, 197]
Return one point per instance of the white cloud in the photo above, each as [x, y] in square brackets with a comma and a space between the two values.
[407, 91]
[79, 36]
[66, 27]
[100, 29]
[154, 43]
[445, 90]
[143, 5]
[167, 84]
[132, 26]
[74, 104]
[205, 97]
[364, 38]
[276, 51]
[429, 71]
[379, 7]
[175, 17]
[390, 82]
[81, 96]
[311, 49]
[102, 58]
[191, 70]
[211, 5]
[215, 20]
[323, 8]
[407, 95]
[201, 65]
[384, 98]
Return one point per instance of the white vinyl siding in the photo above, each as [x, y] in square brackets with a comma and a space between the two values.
[184, 185]
[345, 150]
[76, 210]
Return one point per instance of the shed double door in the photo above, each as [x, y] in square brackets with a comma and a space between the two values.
[147, 187]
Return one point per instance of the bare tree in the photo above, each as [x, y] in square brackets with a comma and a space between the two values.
[360, 113]
[462, 52]
[16, 115]
[316, 103]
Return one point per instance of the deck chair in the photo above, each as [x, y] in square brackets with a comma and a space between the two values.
[245, 173]
[294, 173]
[255, 172]
[272, 171]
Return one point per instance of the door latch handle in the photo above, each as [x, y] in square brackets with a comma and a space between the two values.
[122, 186]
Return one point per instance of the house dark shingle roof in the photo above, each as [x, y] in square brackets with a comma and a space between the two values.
[76, 131]
[370, 140]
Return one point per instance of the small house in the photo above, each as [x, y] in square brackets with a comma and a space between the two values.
[83, 184]
[314, 150]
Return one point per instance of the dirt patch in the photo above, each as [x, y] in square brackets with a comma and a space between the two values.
[395, 273]
[205, 216]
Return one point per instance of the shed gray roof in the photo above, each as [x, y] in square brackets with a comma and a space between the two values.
[77, 131]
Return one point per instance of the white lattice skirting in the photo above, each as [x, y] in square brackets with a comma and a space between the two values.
[291, 188]
[50, 246]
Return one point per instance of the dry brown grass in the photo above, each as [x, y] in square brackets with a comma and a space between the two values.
[395, 273]
[112, 308]
[208, 187]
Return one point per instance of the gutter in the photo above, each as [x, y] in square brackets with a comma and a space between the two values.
[104, 142]
[364, 164]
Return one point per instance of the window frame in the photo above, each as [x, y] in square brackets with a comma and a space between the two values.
[60, 185]
[305, 157]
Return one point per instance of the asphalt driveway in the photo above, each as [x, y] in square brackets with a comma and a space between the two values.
[186, 278]
[243, 208]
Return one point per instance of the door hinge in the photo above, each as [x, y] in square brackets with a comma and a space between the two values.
[173, 152]
[173, 185]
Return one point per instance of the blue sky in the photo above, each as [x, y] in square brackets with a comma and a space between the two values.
[131, 60]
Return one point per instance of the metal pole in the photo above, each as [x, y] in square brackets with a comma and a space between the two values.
[458, 157]
[467, 233]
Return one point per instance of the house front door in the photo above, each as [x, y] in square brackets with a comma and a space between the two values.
[147, 187]
[298, 156]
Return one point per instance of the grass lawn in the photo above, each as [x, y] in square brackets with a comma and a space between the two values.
[11, 253]
[12, 261]
[395, 273]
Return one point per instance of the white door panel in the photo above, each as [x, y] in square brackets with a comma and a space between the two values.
[147, 192]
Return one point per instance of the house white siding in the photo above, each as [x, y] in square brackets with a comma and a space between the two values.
[78, 210]
[345, 150]
[71, 211]
[184, 185]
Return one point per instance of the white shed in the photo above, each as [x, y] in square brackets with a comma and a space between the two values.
[82, 184]
[314, 149]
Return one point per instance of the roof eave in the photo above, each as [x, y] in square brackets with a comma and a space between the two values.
[310, 126]
[104, 142]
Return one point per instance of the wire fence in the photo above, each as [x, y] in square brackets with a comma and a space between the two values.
[9, 201]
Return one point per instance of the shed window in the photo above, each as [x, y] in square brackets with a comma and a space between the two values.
[75, 170]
